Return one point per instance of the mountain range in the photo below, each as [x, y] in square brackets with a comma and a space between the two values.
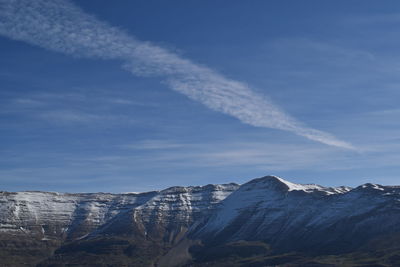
[267, 221]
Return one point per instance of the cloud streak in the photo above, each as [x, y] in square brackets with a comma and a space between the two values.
[61, 26]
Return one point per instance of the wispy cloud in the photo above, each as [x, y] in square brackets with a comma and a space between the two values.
[72, 108]
[69, 116]
[63, 27]
[153, 145]
[139, 170]
[259, 155]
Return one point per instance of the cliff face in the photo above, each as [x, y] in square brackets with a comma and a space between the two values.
[43, 221]
[213, 224]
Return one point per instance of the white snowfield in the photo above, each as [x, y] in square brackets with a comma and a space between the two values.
[312, 187]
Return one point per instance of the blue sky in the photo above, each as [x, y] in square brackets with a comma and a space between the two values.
[142, 95]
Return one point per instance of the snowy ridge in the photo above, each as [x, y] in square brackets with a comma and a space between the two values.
[271, 208]
[309, 188]
[52, 215]
[283, 213]
[49, 215]
[183, 204]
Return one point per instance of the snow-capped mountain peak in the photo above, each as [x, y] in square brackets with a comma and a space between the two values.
[275, 182]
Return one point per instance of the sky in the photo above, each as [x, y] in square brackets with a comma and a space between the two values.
[141, 95]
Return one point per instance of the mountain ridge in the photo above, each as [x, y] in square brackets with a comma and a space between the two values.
[144, 229]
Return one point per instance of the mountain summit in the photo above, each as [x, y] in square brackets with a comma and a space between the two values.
[266, 221]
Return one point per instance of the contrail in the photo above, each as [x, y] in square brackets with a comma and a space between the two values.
[63, 27]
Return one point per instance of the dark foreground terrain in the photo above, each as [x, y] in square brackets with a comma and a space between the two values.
[265, 222]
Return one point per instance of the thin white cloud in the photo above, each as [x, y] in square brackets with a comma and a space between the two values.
[153, 145]
[63, 27]
[69, 116]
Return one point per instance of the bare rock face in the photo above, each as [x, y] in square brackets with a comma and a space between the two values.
[252, 224]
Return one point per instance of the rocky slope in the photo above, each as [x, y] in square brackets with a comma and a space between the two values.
[303, 218]
[267, 221]
[42, 221]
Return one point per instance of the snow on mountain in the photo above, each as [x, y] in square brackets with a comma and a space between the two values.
[186, 200]
[292, 216]
[61, 215]
[169, 213]
[281, 213]
[309, 187]
[263, 194]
